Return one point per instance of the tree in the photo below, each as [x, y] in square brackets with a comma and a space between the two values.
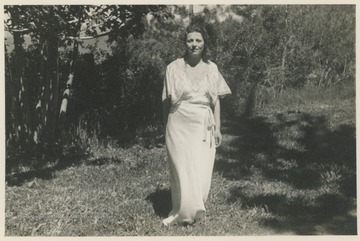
[278, 46]
[51, 27]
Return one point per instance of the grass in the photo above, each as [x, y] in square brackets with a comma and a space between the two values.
[289, 169]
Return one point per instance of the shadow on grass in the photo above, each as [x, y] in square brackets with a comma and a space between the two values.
[327, 214]
[253, 136]
[39, 170]
[302, 150]
[315, 150]
[161, 202]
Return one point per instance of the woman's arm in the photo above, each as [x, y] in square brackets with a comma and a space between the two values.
[166, 110]
[218, 136]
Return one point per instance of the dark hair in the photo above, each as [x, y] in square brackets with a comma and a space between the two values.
[200, 29]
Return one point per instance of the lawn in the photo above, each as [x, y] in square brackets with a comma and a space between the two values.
[288, 169]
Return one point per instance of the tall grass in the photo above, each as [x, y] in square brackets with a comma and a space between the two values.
[308, 95]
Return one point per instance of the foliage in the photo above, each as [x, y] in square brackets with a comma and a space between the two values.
[262, 50]
[123, 20]
[283, 46]
[35, 72]
[132, 82]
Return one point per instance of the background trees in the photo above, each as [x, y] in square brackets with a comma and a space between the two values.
[33, 77]
[57, 85]
[280, 47]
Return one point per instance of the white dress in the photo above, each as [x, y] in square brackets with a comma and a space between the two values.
[190, 138]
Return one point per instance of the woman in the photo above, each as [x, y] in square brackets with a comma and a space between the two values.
[191, 105]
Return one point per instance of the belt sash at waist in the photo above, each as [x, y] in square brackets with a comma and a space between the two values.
[209, 121]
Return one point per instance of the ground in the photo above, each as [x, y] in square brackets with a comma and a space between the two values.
[279, 171]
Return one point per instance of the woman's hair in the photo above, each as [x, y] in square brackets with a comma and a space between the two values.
[199, 29]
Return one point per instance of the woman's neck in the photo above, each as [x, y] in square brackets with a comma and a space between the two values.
[192, 60]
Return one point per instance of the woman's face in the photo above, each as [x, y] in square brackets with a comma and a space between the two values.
[194, 43]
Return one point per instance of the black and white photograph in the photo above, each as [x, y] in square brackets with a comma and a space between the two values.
[138, 120]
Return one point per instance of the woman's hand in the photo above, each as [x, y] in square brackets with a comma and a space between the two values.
[218, 138]
[217, 134]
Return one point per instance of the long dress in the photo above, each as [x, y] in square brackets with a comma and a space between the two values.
[190, 138]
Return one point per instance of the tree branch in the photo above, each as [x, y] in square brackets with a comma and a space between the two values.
[12, 31]
[90, 37]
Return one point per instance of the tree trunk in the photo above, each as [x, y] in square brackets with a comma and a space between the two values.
[54, 88]
[69, 82]
[10, 101]
[191, 11]
[20, 99]
[51, 89]
[285, 51]
[47, 107]
[40, 116]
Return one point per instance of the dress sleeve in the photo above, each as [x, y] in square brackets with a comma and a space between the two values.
[166, 86]
[222, 87]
